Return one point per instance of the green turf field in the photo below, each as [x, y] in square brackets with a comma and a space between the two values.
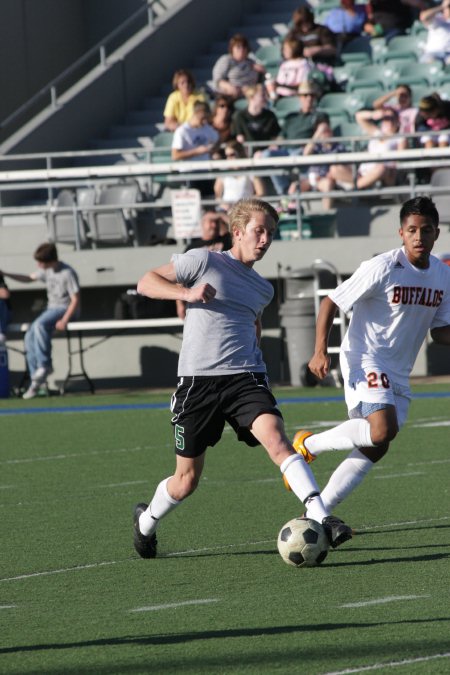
[76, 599]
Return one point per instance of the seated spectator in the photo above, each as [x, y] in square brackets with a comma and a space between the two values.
[255, 122]
[221, 119]
[297, 125]
[235, 71]
[320, 176]
[5, 308]
[383, 138]
[346, 21]
[180, 103]
[215, 236]
[437, 22]
[433, 115]
[400, 99]
[292, 72]
[63, 293]
[319, 43]
[196, 140]
[232, 188]
[388, 18]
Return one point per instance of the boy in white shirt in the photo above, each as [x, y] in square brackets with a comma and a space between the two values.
[396, 298]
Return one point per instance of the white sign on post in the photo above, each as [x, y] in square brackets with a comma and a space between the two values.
[186, 213]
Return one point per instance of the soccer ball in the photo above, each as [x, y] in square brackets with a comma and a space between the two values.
[302, 542]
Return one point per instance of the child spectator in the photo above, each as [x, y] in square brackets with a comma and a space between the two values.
[179, 106]
[292, 72]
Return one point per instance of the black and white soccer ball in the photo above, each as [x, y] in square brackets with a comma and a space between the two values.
[302, 542]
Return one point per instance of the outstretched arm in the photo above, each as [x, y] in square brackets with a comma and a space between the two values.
[320, 362]
[24, 278]
[441, 335]
[161, 284]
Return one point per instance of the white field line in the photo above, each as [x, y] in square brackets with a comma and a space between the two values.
[207, 549]
[174, 605]
[7, 606]
[429, 463]
[129, 482]
[382, 601]
[71, 455]
[401, 475]
[390, 664]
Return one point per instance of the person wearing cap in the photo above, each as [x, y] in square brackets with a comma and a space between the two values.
[433, 116]
[297, 125]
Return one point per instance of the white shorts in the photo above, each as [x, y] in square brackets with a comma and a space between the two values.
[369, 390]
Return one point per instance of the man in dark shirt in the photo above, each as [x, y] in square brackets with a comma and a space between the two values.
[319, 42]
[297, 125]
[256, 122]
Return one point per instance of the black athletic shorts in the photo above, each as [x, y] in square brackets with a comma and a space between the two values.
[201, 406]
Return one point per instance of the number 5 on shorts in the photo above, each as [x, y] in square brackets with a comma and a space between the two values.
[179, 437]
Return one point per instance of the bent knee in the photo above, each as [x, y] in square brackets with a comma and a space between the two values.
[383, 434]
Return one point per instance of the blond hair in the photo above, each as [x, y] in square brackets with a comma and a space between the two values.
[241, 213]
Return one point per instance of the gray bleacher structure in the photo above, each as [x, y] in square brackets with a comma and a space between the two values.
[104, 226]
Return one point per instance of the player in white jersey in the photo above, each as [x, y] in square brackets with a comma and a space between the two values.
[222, 373]
[396, 298]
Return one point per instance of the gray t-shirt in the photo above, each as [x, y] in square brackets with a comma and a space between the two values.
[62, 283]
[219, 336]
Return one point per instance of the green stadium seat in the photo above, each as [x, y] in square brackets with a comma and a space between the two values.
[430, 72]
[383, 74]
[269, 55]
[286, 105]
[409, 46]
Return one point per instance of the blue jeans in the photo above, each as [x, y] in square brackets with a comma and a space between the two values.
[4, 316]
[281, 182]
[38, 339]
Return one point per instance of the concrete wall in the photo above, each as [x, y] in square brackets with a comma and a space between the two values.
[137, 70]
[40, 38]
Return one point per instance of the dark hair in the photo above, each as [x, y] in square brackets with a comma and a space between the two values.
[201, 105]
[420, 206]
[183, 73]
[46, 253]
[302, 14]
[238, 39]
[238, 148]
[296, 45]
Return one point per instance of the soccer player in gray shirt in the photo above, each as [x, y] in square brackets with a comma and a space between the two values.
[222, 375]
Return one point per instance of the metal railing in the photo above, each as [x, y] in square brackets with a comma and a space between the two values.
[147, 15]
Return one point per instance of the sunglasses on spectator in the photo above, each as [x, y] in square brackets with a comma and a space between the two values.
[308, 95]
[389, 118]
[230, 154]
[222, 105]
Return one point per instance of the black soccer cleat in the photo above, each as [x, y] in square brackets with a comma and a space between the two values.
[336, 530]
[145, 546]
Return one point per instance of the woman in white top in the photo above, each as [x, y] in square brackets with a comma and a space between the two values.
[231, 188]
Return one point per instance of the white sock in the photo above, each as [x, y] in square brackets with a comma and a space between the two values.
[304, 485]
[346, 477]
[161, 504]
[346, 436]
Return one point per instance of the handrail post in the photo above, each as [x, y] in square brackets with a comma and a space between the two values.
[150, 13]
[48, 164]
[54, 97]
[103, 56]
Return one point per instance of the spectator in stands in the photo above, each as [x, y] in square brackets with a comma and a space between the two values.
[231, 188]
[433, 115]
[437, 22]
[63, 292]
[215, 237]
[383, 138]
[321, 176]
[196, 140]
[346, 21]
[5, 308]
[293, 70]
[297, 125]
[400, 99]
[235, 71]
[388, 18]
[180, 104]
[255, 122]
[319, 43]
[221, 118]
